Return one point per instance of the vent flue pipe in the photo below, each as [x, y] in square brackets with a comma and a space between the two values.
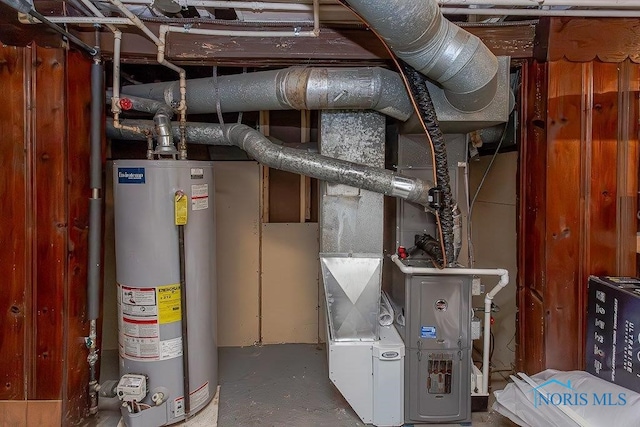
[288, 159]
[294, 88]
[418, 34]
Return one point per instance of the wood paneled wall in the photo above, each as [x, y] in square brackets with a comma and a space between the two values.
[578, 198]
[44, 152]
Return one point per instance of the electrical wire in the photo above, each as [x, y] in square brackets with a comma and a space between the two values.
[513, 350]
[486, 171]
[475, 196]
[468, 206]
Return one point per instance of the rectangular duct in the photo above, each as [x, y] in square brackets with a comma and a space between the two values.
[351, 225]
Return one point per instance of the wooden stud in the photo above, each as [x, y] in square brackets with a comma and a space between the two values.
[532, 220]
[627, 168]
[15, 266]
[563, 215]
[50, 168]
[602, 174]
[76, 324]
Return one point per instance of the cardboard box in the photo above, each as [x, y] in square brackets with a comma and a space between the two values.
[613, 330]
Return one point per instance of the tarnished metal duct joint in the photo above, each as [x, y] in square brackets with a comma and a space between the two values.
[418, 34]
[370, 88]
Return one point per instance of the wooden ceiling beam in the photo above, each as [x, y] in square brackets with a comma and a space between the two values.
[334, 46]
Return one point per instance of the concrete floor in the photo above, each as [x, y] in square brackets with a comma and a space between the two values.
[280, 385]
[276, 385]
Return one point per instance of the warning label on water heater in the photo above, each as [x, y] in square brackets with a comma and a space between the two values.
[199, 197]
[171, 348]
[138, 323]
[197, 173]
[140, 348]
[137, 303]
[141, 312]
[196, 398]
[169, 307]
[140, 328]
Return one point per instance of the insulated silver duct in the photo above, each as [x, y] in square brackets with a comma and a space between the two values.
[288, 159]
[418, 34]
[196, 133]
[297, 88]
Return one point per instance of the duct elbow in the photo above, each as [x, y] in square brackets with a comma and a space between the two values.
[464, 67]
[255, 144]
[391, 96]
[474, 86]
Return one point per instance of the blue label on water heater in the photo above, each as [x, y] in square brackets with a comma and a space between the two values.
[130, 175]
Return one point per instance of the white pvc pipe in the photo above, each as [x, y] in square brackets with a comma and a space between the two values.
[316, 17]
[182, 108]
[88, 20]
[486, 345]
[161, 44]
[115, 98]
[504, 280]
[240, 33]
[117, 42]
[450, 271]
[135, 20]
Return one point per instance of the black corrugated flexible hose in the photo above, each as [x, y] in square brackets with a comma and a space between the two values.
[420, 92]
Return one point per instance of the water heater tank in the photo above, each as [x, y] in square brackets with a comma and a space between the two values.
[150, 313]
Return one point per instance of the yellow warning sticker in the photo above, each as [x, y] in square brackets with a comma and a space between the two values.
[181, 208]
[169, 308]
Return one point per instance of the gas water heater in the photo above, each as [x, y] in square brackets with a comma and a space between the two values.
[165, 273]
